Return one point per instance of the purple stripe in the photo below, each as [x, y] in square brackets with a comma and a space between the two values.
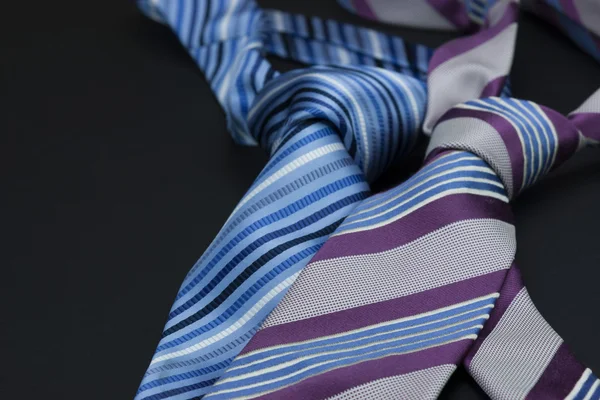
[588, 123]
[362, 8]
[568, 137]
[454, 11]
[439, 213]
[462, 45]
[510, 288]
[508, 134]
[494, 87]
[338, 380]
[559, 377]
[370, 314]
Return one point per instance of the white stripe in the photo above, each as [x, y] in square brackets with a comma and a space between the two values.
[509, 120]
[374, 38]
[584, 377]
[478, 7]
[552, 131]
[361, 119]
[392, 198]
[232, 71]
[383, 324]
[377, 197]
[409, 93]
[534, 139]
[472, 319]
[592, 390]
[426, 189]
[344, 55]
[462, 132]
[476, 192]
[470, 336]
[543, 136]
[283, 365]
[477, 19]
[537, 135]
[286, 169]
[236, 326]
[278, 20]
[225, 22]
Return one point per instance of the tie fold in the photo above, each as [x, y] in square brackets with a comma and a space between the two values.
[519, 139]
[230, 41]
[395, 290]
[349, 100]
[518, 355]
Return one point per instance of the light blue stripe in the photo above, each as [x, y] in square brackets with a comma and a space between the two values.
[421, 198]
[326, 367]
[310, 347]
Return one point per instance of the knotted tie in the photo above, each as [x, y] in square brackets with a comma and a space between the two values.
[330, 131]
[397, 296]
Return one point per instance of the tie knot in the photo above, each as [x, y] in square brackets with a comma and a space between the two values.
[376, 113]
[520, 140]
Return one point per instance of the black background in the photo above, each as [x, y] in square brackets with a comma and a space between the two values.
[117, 173]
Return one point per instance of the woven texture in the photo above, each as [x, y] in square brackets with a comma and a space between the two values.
[402, 284]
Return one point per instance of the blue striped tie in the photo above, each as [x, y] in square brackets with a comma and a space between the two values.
[330, 131]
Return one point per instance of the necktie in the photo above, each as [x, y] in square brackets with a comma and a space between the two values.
[329, 130]
[245, 272]
[399, 294]
[578, 19]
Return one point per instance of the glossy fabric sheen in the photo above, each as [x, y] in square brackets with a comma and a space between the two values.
[437, 287]
[439, 247]
[330, 130]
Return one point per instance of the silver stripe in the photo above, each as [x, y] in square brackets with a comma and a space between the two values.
[452, 82]
[464, 250]
[478, 137]
[514, 356]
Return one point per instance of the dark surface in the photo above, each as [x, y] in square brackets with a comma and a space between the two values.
[117, 173]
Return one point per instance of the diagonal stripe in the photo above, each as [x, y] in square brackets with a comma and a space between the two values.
[424, 384]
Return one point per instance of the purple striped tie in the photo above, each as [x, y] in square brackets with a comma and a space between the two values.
[421, 278]
[391, 314]
[578, 19]
[467, 68]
